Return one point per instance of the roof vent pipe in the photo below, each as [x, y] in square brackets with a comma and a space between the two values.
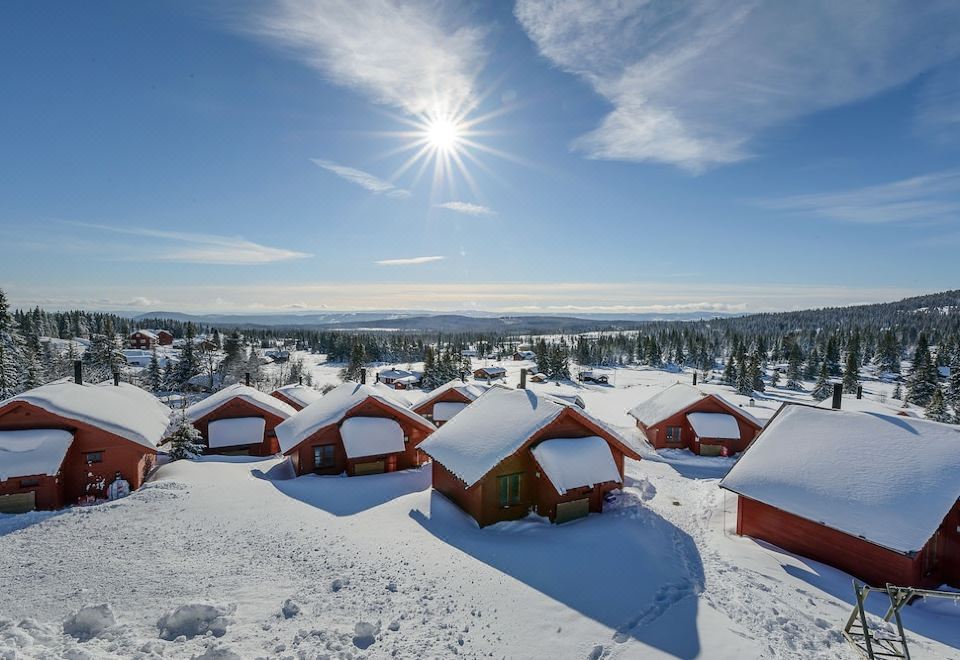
[363, 376]
[859, 391]
[523, 379]
[694, 378]
[246, 379]
[78, 372]
[837, 395]
[116, 379]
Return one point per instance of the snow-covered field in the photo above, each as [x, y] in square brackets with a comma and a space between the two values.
[230, 557]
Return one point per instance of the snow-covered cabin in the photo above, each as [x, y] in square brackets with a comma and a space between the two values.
[593, 377]
[683, 416]
[164, 337]
[444, 402]
[239, 420]
[143, 339]
[353, 429]
[297, 396]
[400, 379]
[511, 452]
[877, 496]
[524, 355]
[64, 443]
[489, 373]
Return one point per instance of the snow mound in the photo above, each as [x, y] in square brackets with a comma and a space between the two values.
[89, 621]
[218, 653]
[195, 619]
[365, 634]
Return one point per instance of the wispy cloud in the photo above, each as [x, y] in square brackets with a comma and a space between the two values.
[191, 247]
[411, 261]
[938, 106]
[364, 179]
[929, 197]
[467, 208]
[692, 83]
[410, 55]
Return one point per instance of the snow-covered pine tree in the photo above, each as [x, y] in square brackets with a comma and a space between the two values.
[186, 441]
[730, 372]
[822, 389]
[430, 378]
[953, 385]
[187, 367]
[154, 376]
[358, 357]
[775, 378]
[794, 374]
[897, 392]
[851, 373]
[923, 378]
[937, 409]
[12, 372]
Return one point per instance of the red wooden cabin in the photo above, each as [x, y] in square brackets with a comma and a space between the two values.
[297, 396]
[63, 443]
[355, 430]
[877, 496]
[685, 417]
[239, 420]
[444, 402]
[164, 337]
[512, 452]
[144, 339]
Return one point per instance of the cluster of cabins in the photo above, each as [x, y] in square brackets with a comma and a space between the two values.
[873, 494]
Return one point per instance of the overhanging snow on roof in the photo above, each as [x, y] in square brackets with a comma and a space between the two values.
[714, 425]
[445, 410]
[576, 462]
[371, 436]
[236, 432]
[32, 452]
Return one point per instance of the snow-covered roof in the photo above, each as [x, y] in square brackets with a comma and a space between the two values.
[568, 399]
[492, 370]
[714, 425]
[124, 410]
[301, 394]
[576, 462]
[146, 333]
[850, 402]
[469, 390]
[333, 407]
[665, 403]
[236, 431]
[251, 395]
[395, 373]
[887, 479]
[444, 411]
[371, 436]
[33, 452]
[494, 427]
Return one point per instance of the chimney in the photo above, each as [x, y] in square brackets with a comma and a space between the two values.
[694, 378]
[837, 395]
[301, 380]
[116, 379]
[78, 372]
[523, 379]
[463, 376]
[859, 391]
[246, 379]
[363, 376]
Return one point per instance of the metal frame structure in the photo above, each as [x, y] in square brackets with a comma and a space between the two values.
[868, 642]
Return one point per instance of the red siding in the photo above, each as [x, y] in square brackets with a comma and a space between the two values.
[867, 561]
[302, 454]
[48, 493]
[237, 407]
[449, 396]
[657, 434]
[78, 479]
[287, 400]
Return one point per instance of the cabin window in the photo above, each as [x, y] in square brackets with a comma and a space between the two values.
[94, 457]
[28, 483]
[323, 456]
[673, 434]
[509, 487]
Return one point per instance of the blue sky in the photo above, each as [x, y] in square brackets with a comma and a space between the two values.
[617, 157]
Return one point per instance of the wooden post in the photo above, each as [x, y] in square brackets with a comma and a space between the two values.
[363, 376]
[837, 395]
[694, 378]
[246, 379]
[859, 391]
[78, 372]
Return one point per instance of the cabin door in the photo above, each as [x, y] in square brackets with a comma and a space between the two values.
[567, 511]
[18, 502]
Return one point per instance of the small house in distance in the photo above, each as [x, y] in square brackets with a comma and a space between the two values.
[877, 496]
[511, 452]
[443, 403]
[355, 430]
[142, 339]
[400, 379]
[593, 377]
[684, 417]
[64, 443]
[239, 420]
[524, 355]
[164, 338]
[490, 373]
[297, 396]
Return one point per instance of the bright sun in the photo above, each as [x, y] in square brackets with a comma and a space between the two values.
[443, 134]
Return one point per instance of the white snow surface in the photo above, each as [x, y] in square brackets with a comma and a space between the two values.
[236, 431]
[492, 428]
[302, 394]
[666, 403]
[470, 390]
[261, 400]
[332, 408]
[124, 410]
[576, 462]
[33, 452]
[444, 411]
[371, 436]
[714, 425]
[888, 479]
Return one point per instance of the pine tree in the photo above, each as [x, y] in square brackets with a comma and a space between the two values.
[851, 374]
[12, 373]
[730, 372]
[358, 357]
[953, 386]
[188, 365]
[186, 441]
[822, 389]
[923, 374]
[154, 376]
[937, 409]
[794, 374]
[897, 392]
[430, 378]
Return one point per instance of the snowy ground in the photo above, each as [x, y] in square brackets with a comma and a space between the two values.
[262, 565]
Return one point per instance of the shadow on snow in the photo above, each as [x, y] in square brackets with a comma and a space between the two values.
[625, 568]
